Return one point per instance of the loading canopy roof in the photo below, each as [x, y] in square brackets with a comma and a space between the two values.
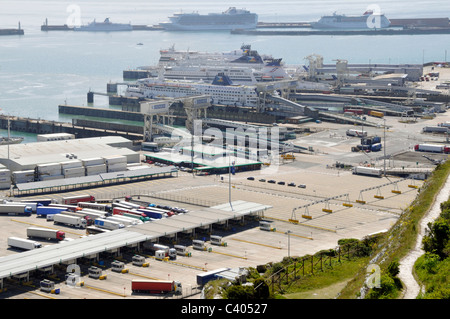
[62, 182]
[67, 251]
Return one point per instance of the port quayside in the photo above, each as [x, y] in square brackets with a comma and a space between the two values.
[87, 246]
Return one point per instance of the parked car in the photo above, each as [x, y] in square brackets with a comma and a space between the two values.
[262, 180]
[302, 186]
[291, 184]
[251, 178]
[271, 181]
[281, 183]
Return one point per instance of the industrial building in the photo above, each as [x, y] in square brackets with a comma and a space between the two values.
[20, 157]
[207, 159]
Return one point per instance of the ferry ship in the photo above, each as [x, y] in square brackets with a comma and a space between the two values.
[243, 55]
[105, 26]
[368, 20]
[271, 71]
[230, 19]
[221, 90]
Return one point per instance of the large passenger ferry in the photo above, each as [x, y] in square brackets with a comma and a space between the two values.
[105, 26]
[368, 20]
[230, 19]
[221, 90]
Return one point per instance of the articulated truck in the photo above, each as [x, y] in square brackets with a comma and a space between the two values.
[73, 200]
[433, 148]
[15, 209]
[33, 206]
[68, 220]
[44, 211]
[45, 233]
[156, 286]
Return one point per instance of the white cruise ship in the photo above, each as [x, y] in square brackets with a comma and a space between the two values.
[105, 26]
[228, 20]
[221, 90]
[368, 20]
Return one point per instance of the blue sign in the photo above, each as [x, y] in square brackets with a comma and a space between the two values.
[233, 169]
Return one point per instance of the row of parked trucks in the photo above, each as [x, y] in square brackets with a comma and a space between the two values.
[82, 212]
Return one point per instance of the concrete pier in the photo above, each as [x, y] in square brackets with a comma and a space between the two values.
[96, 112]
[135, 74]
[38, 126]
[414, 31]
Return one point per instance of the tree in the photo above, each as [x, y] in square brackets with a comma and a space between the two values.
[437, 238]
[262, 290]
[387, 287]
[240, 292]
[393, 268]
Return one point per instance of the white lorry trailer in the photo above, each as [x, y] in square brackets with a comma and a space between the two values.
[358, 133]
[369, 171]
[127, 221]
[23, 243]
[45, 233]
[108, 224]
[79, 222]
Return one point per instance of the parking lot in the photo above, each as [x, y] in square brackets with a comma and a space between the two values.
[311, 217]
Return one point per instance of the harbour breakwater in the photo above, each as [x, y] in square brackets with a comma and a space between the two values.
[12, 32]
[412, 31]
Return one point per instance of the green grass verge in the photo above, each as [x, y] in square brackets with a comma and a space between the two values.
[324, 284]
[401, 238]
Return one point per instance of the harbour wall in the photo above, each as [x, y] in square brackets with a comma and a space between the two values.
[412, 31]
[38, 126]
[12, 32]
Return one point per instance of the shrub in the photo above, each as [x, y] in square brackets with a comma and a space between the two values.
[387, 287]
[438, 237]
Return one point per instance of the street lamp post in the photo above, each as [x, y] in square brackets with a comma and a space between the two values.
[289, 243]
[229, 176]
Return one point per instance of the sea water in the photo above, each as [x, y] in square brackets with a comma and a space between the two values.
[40, 70]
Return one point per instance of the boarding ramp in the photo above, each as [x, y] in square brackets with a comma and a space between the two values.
[347, 119]
[173, 131]
[390, 106]
[293, 106]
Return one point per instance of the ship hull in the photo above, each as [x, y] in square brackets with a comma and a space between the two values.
[352, 23]
[179, 27]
